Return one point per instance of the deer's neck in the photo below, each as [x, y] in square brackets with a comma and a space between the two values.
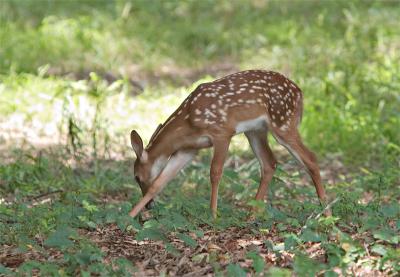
[169, 139]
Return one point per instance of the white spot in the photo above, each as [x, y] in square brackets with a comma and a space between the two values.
[284, 127]
[208, 112]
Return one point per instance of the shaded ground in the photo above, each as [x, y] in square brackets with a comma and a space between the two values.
[254, 244]
[213, 252]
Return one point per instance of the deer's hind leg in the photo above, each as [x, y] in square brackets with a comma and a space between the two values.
[291, 140]
[259, 144]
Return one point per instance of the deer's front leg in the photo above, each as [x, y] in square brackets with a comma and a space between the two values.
[174, 165]
[221, 147]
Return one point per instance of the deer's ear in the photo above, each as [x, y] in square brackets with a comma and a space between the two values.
[137, 144]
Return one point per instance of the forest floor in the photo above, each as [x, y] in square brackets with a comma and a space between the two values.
[181, 238]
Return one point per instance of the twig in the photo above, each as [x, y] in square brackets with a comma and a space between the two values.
[318, 215]
[328, 207]
[198, 272]
[45, 194]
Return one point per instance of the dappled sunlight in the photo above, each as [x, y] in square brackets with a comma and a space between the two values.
[76, 78]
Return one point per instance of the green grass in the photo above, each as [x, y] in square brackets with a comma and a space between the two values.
[65, 170]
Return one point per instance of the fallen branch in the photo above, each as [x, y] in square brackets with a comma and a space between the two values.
[45, 194]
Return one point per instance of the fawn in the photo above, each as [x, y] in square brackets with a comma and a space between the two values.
[252, 102]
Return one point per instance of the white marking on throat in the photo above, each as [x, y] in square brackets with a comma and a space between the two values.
[157, 167]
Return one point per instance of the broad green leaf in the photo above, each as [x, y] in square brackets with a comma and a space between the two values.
[152, 234]
[124, 221]
[278, 272]
[330, 273]
[60, 238]
[171, 249]
[257, 204]
[85, 273]
[269, 244]
[187, 239]
[309, 235]
[258, 261]
[199, 233]
[89, 207]
[387, 235]
[29, 266]
[391, 210]
[379, 249]
[123, 267]
[305, 266]
[4, 270]
[235, 270]
[291, 241]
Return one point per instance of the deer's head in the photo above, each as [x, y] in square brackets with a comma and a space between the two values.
[145, 169]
